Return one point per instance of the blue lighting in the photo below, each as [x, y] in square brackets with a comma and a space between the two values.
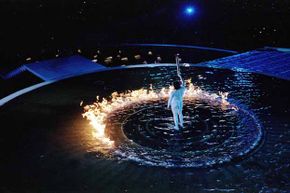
[189, 10]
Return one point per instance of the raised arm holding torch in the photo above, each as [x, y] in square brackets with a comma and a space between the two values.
[177, 59]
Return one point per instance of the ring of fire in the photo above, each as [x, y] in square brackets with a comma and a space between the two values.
[134, 126]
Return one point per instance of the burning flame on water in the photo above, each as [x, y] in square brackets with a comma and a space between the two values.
[98, 112]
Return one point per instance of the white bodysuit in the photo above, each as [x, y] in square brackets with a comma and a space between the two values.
[176, 103]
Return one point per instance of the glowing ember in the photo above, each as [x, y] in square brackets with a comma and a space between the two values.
[98, 112]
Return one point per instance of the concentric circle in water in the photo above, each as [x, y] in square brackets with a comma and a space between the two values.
[211, 134]
[204, 127]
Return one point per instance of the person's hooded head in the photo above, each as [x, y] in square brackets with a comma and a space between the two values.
[176, 85]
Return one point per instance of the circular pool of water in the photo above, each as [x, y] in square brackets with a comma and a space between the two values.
[47, 144]
[212, 134]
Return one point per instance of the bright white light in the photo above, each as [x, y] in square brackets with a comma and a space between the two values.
[189, 10]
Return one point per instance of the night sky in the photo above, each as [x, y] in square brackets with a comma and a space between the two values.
[39, 27]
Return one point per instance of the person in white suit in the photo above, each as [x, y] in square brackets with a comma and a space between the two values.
[175, 100]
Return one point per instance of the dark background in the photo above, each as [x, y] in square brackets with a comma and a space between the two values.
[38, 27]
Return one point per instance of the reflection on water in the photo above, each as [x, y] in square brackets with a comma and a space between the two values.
[136, 126]
[212, 135]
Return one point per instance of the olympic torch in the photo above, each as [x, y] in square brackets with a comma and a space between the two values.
[177, 59]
